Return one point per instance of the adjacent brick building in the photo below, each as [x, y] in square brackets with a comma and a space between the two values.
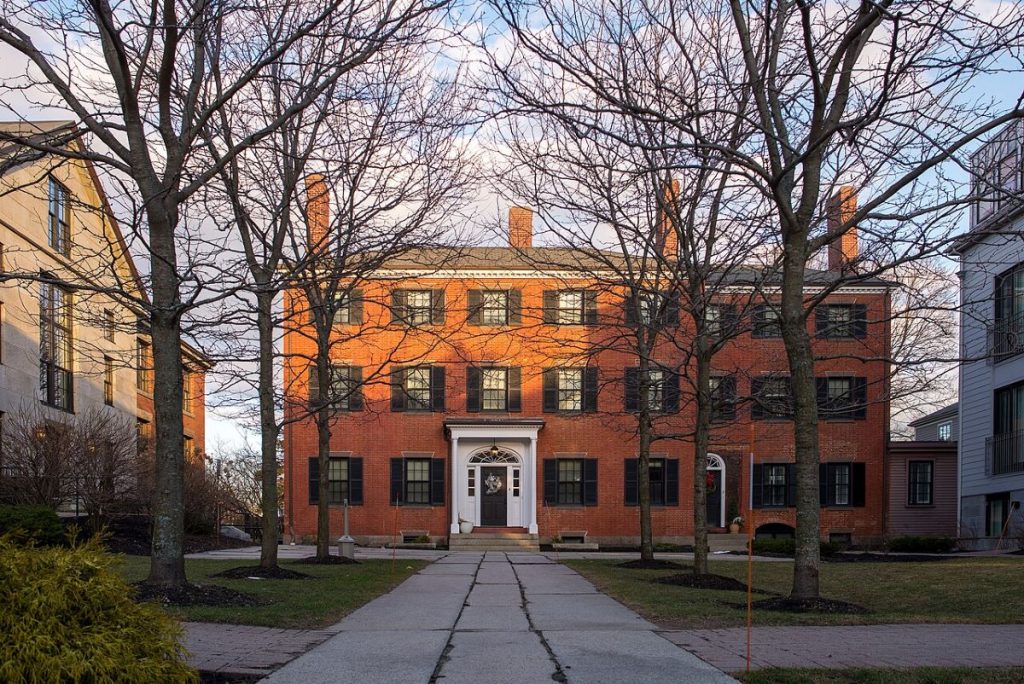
[482, 399]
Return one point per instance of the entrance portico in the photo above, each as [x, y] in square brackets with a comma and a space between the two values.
[493, 472]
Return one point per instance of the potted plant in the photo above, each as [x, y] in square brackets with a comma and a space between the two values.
[465, 526]
[736, 525]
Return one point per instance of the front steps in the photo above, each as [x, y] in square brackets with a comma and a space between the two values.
[494, 541]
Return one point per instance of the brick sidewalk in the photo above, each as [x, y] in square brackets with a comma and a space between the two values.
[244, 650]
[877, 646]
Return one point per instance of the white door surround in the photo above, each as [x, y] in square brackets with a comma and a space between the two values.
[493, 443]
[716, 462]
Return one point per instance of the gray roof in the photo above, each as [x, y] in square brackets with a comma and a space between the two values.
[935, 416]
[17, 138]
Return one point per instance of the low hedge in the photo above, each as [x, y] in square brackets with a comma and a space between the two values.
[37, 524]
[911, 544]
[787, 547]
[66, 616]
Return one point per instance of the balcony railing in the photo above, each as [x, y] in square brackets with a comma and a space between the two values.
[1006, 337]
[1005, 453]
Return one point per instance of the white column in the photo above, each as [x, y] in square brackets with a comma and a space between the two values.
[455, 485]
[532, 499]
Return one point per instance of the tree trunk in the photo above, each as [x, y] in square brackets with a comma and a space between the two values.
[268, 427]
[644, 463]
[805, 421]
[323, 430]
[167, 562]
[700, 464]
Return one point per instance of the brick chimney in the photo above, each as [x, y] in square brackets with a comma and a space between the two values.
[667, 239]
[840, 209]
[520, 227]
[318, 211]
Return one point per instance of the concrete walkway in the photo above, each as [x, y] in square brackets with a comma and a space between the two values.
[244, 650]
[495, 617]
[876, 646]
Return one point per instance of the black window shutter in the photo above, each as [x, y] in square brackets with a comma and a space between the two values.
[791, 484]
[437, 482]
[670, 392]
[398, 402]
[550, 482]
[823, 488]
[858, 483]
[631, 391]
[757, 486]
[860, 398]
[727, 397]
[437, 388]
[313, 384]
[550, 306]
[475, 305]
[515, 307]
[672, 482]
[437, 307]
[515, 389]
[757, 411]
[590, 482]
[355, 481]
[629, 303]
[398, 300]
[632, 482]
[821, 324]
[355, 398]
[355, 315]
[314, 480]
[729, 320]
[396, 481]
[860, 321]
[589, 307]
[550, 390]
[473, 378]
[821, 384]
[590, 390]
[670, 314]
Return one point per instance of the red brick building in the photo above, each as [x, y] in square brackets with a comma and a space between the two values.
[482, 399]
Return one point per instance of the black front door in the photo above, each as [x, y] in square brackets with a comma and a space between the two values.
[714, 500]
[494, 505]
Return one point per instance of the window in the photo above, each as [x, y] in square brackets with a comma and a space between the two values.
[775, 485]
[348, 308]
[656, 389]
[945, 432]
[662, 390]
[190, 447]
[108, 381]
[59, 226]
[143, 366]
[3, 259]
[344, 480]
[653, 308]
[570, 307]
[55, 356]
[570, 481]
[143, 434]
[417, 388]
[1009, 409]
[1008, 328]
[767, 322]
[663, 474]
[656, 475]
[471, 482]
[1, 332]
[720, 319]
[723, 397]
[841, 484]
[109, 325]
[919, 477]
[495, 389]
[346, 388]
[772, 397]
[842, 398]
[570, 389]
[186, 390]
[996, 170]
[839, 321]
[418, 480]
[418, 307]
[494, 308]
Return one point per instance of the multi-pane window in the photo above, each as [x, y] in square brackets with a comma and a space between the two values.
[656, 390]
[471, 482]
[570, 481]
[838, 395]
[997, 173]
[767, 322]
[108, 381]
[570, 389]
[186, 391]
[774, 491]
[494, 389]
[656, 475]
[920, 481]
[1008, 329]
[417, 388]
[109, 325]
[190, 447]
[55, 357]
[773, 397]
[417, 481]
[839, 483]
[337, 480]
[342, 310]
[718, 319]
[143, 434]
[841, 321]
[59, 210]
[418, 310]
[143, 366]
[945, 431]
[344, 384]
[723, 397]
[570, 307]
[494, 307]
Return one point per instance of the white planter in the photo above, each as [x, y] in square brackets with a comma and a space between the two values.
[465, 527]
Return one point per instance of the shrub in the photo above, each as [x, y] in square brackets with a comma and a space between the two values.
[787, 547]
[38, 524]
[67, 617]
[922, 544]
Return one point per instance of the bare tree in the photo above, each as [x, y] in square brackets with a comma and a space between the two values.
[39, 455]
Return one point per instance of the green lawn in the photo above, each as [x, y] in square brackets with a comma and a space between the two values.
[334, 591]
[963, 590]
[920, 675]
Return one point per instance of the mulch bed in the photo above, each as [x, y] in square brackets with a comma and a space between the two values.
[654, 564]
[194, 595]
[330, 560]
[709, 581]
[789, 605]
[276, 572]
[883, 558]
